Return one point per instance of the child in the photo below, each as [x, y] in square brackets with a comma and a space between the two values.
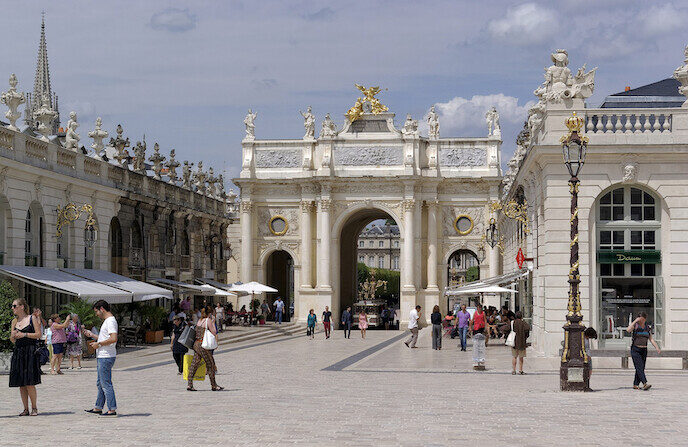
[589, 334]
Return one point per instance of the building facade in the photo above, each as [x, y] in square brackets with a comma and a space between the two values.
[632, 211]
[304, 203]
[378, 247]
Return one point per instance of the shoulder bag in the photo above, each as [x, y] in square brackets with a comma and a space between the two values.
[511, 338]
[209, 340]
[188, 336]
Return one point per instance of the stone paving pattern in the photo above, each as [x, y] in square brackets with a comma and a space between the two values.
[278, 393]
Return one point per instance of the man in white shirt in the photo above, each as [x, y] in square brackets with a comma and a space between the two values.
[106, 353]
[279, 309]
[413, 327]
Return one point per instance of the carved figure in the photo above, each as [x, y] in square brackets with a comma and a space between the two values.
[410, 128]
[71, 137]
[433, 124]
[560, 85]
[492, 120]
[308, 123]
[157, 160]
[140, 157]
[45, 116]
[172, 166]
[13, 99]
[211, 180]
[98, 135]
[535, 117]
[680, 74]
[368, 104]
[630, 173]
[186, 174]
[199, 179]
[120, 144]
[329, 128]
[249, 121]
[220, 187]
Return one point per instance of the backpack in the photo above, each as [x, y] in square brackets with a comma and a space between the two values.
[385, 314]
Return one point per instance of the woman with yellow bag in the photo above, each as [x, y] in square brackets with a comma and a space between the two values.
[206, 341]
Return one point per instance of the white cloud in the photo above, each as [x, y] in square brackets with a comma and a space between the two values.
[663, 19]
[465, 117]
[525, 24]
[173, 20]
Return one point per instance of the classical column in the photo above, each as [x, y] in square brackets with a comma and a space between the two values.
[432, 244]
[306, 243]
[325, 205]
[409, 205]
[246, 241]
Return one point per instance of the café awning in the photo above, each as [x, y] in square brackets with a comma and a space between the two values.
[473, 287]
[183, 288]
[141, 291]
[220, 289]
[58, 281]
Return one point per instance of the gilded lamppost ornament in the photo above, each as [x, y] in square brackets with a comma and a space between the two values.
[369, 287]
[574, 373]
[513, 210]
[71, 213]
[369, 100]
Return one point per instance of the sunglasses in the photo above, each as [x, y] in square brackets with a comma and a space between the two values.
[15, 305]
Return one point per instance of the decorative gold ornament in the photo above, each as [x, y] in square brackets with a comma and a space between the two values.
[278, 232]
[377, 107]
[456, 224]
[575, 124]
[514, 210]
[71, 213]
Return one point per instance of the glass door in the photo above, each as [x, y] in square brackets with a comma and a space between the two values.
[659, 309]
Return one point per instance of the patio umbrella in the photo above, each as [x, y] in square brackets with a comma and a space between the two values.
[252, 288]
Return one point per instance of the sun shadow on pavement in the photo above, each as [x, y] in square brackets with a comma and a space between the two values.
[120, 415]
[46, 413]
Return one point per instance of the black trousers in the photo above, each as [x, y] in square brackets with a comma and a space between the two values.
[179, 360]
[347, 330]
[639, 356]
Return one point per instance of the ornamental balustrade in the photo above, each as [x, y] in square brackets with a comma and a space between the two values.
[628, 121]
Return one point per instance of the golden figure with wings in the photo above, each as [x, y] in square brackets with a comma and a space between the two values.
[369, 93]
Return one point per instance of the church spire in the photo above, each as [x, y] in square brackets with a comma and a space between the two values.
[41, 83]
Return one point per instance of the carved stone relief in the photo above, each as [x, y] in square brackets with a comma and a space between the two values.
[368, 156]
[450, 213]
[463, 157]
[266, 158]
[264, 214]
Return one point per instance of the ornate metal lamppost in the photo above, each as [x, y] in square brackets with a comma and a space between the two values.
[574, 374]
[492, 235]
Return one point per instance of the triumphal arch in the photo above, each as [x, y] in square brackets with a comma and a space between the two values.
[304, 202]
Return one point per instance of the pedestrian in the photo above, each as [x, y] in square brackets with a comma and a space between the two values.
[25, 368]
[279, 309]
[436, 320]
[478, 321]
[518, 351]
[312, 320]
[59, 340]
[39, 314]
[178, 349]
[265, 309]
[391, 319]
[414, 315]
[219, 317]
[363, 322]
[186, 305]
[347, 321]
[206, 323]
[106, 354]
[74, 346]
[642, 332]
[384, 316]
[589, 334]
[463, 318]
[327, 321]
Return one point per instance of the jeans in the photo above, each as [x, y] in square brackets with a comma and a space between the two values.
[639, 356]
[326, 326]
[347, 329]
[436, 336]
[278, 316]
[414, 338]
[106, 392]
[462, 334]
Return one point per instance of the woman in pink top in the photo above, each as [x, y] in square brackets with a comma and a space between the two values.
[58, 340]
[362, 323]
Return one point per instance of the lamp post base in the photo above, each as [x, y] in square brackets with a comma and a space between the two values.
[574, 373]
[574, 378]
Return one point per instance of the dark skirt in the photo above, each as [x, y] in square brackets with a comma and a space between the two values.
[25, 368]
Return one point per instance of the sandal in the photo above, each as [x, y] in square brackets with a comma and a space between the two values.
[522, 373]
[190, 388]
[218, 388]
[34, 412]
[94, 411]
[24, 413]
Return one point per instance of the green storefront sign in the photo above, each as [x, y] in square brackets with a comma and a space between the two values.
[629, 256]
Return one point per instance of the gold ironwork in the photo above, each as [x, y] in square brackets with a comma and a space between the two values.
[286, 225]
[369, 287]
[456, 224]
[575, 124]
[71, 213]
[513, 210]
[369, 93]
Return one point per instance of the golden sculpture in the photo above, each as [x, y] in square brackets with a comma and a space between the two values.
[575, 124]
[369, 93]
[70, 213]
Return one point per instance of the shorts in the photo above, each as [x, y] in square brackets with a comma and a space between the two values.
[58, 348]
[518, 352]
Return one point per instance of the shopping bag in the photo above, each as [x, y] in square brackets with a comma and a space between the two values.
[200, 372]
[511, 338]
[209, 340]
[188, 337]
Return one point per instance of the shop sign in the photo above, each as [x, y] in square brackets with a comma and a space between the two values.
[520, 258]
[629, 256]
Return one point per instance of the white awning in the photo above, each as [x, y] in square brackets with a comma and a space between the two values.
[182, 287]
[501, 280]
[62, 282]
[482, 289]
[140, 290]
[220, 289]
[253, 287]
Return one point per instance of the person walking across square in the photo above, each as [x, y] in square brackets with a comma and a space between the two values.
[327, 321]
[312, 320]
[414, 315]
[436, 320]
[178, 349]
[518, 351]
[106, 353]
[279, 309]
[347, 321]
[463, 317]
[642, 333]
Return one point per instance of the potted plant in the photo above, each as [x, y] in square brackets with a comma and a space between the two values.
[7, 295]
[155, 315]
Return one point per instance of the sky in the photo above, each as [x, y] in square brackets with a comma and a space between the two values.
[185, 73]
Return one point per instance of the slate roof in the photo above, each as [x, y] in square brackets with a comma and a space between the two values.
[659, 94]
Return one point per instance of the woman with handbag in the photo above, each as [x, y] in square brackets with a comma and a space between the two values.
[74, 346]
[25, 370]
[205, 343]
[520, 329]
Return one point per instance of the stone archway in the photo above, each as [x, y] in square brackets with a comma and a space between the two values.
[279, 273]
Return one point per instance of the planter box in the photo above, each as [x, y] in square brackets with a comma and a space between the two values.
[153, 337]
[5, 358]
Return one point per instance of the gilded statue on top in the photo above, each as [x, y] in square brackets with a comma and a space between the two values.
[368, 104]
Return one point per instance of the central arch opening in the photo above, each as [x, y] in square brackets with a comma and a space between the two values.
[370, 268]
[279, 269]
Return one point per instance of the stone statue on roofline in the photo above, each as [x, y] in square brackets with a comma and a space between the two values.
[211, 180]
[199, 178]
[249, 121]
[410, 128]
[157, 160]
[172, 166]
[308, 123]
[45, 116]
[13, 99]
[433, 124]
[120, 144]
[329, 128]
[492, 119]
[681, 75]
[220, 187]
[98, 135]
[186, 174]
[140, 157]
[71, 137]
[560, 84]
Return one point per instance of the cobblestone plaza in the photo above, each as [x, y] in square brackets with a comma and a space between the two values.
[294, 391]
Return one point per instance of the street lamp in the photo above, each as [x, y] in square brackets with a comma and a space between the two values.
[492, 234]
[574, 373]
[481, 253]
[90, 236]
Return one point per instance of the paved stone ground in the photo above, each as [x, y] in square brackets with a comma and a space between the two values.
[350, 392]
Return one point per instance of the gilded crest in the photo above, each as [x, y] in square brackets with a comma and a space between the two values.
[376, 107]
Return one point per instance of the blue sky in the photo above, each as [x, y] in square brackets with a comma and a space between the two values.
[184, 73]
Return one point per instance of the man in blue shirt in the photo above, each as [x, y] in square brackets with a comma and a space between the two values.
[279, 309]
[347, 320]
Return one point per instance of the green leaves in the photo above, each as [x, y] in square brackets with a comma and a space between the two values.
[7, 295]
[84, 310]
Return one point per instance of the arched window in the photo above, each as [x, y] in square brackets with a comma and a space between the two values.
[5, 216]
[463, 266]
[629, 261]
[62, 246]
[33, 240]
[115, 246]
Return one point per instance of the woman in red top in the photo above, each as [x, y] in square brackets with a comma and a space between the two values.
[478, 320]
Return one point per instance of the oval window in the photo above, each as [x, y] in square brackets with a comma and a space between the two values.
[278, 225]
[463, 224]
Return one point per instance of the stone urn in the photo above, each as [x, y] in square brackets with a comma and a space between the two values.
[5, 358]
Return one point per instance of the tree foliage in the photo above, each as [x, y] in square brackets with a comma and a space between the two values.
[391, 276]
[7, 295]
[84, 310]
[472, 273]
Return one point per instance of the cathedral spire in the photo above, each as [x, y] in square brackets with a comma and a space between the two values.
[41, 83]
